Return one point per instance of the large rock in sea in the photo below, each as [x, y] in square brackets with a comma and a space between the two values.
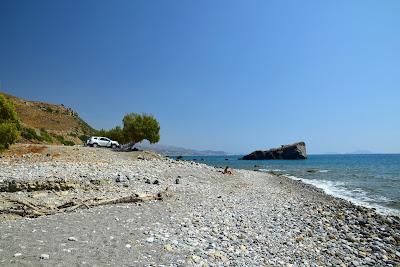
[293, 151]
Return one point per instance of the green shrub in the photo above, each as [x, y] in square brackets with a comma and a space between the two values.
[73, 134]
[30, 134]
[49, 109]
[45, 136]
[68, 143]
[9, 134]
[7, 111]
[101, 132]
[116, 134]
[9, 124]
[84, 138]
[60, 138]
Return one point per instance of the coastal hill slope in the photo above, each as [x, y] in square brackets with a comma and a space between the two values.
[49, 123]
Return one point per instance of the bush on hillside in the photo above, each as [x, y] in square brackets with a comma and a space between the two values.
[73, 134]
[45, 136]
[68, 143]
[7, 111]
[9, 134]
[60, 138]
[84, 138]
[30, 134]
[9, 124]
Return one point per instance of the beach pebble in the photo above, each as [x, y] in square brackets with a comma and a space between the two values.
[247, 219]
[168, 247]
[44, 256]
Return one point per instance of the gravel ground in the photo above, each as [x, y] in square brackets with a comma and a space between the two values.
[249, 218]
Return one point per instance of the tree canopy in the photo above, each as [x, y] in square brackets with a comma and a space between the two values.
[135, 128]
[141, 127]
[9, 124]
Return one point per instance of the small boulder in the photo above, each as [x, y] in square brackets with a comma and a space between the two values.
[44, 256]
[121, 178]
[71, 238]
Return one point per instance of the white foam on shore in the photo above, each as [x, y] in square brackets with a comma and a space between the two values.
[274, 170]
[356, 196]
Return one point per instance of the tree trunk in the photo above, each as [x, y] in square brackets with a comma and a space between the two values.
[128, 146]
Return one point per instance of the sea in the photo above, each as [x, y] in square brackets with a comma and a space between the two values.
[370, 180]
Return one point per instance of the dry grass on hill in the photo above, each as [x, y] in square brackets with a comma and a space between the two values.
[57, 120]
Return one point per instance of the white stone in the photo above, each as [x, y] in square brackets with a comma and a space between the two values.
[45, 256]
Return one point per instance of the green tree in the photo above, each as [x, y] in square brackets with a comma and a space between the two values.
[138, 127]
[9, 124]
[101, 132]
[116, 134]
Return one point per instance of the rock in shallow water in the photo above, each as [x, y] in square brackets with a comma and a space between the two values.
[293, 151]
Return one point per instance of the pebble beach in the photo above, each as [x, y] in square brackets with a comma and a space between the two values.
[209, 218]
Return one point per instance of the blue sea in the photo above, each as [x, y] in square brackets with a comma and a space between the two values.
[371, 180]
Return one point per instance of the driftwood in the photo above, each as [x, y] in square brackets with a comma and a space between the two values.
[27, 209]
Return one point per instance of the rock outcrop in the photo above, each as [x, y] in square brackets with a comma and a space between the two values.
[293, 151]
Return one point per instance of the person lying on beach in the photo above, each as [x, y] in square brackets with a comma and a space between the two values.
[227, 170]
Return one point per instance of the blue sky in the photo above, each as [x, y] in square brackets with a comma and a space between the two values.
[223, 75]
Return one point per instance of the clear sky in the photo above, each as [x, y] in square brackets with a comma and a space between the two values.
[223, 75]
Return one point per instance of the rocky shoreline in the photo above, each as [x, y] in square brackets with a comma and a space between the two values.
[209, 219]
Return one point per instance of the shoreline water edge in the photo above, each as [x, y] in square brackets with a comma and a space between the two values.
[208, 219]
[371, 181]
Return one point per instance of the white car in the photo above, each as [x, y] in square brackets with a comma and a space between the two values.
[97, 141]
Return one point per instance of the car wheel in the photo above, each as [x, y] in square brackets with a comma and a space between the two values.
[95, 145]
[113, 146]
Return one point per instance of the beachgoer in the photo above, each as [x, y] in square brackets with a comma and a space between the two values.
[227, 170]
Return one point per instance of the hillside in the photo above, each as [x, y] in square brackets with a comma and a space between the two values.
[49, 123]
[177, 151]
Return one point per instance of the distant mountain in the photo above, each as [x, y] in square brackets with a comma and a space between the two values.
[177, 151]
[361, 152]
[349, 153]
